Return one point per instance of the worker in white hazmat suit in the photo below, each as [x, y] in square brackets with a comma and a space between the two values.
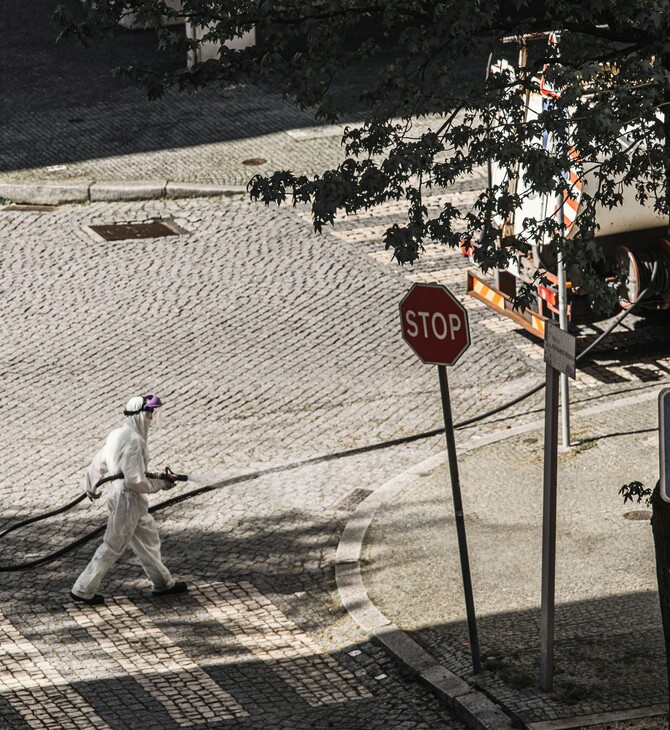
[129, 523]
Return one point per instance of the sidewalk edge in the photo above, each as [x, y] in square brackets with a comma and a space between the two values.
[476, 710]
[64, 192]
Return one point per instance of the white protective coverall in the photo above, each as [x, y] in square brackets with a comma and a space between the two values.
[129, 523]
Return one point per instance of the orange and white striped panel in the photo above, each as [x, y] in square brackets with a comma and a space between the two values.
[572, 198]
[492, 296]
[545, 88]
[537, 324]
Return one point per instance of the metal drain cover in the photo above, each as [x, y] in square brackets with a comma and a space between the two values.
[30, 207]
[349, 502]
[125, 231]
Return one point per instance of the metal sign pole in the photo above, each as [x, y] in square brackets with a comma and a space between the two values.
[549, 531]
[460, 522]
[563, 323]
[664, 442]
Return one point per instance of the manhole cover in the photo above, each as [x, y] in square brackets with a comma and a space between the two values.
[30, 207]
[124, 231]
[638, 514]
[350, 501]
[254, 161]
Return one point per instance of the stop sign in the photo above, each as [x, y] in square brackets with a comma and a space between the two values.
[434, 324]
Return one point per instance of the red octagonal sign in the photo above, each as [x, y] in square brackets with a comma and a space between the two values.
[434, 324]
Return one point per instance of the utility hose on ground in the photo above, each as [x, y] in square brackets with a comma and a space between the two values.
[287, 467]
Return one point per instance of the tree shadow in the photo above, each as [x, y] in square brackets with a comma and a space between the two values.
[61, 104]
[609, 652]
[276, 588]
[609, 656]
[286, 548]
[270, 694]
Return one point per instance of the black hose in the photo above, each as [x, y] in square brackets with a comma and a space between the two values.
[65, 508]
[298, 464]
[44, 516]
[52, 556]
[624, 314]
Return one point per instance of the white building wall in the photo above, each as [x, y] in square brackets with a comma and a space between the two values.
[208, 49]
[130, 22]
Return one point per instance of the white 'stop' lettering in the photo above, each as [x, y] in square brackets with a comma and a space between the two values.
[435, 325]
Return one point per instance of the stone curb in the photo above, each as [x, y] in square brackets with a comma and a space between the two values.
[570, 723]
[474, 708]
[59, 193]
[470, 705]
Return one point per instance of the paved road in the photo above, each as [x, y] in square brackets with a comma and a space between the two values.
[65, 117]
[270, 345]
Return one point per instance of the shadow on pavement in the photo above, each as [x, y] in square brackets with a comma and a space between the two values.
[609, 651]
[266, 643]
[61, 104]
[609, 656]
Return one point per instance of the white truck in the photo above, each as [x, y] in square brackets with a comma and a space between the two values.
[633, 238]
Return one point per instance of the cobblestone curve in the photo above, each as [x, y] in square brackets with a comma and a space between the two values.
[246, 330]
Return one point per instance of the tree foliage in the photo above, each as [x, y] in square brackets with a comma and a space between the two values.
[608, 117]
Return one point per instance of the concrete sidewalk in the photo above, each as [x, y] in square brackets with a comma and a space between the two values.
[74, 132]
[81, 135]
[399, 573]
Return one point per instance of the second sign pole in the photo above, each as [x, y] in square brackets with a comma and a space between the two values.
[559, 354]
[549, 531]
[460, 520]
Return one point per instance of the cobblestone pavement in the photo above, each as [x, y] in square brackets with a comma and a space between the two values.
[270, 345]
[64, 118]
[251, 335]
